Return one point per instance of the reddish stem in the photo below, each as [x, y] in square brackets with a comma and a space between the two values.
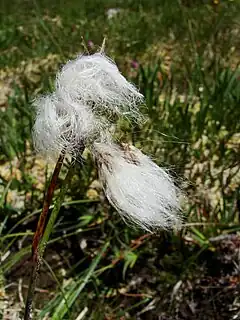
[36, 262]
[46, 204]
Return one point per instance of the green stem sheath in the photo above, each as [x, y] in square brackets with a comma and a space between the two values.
[46, 204]
[41, 245]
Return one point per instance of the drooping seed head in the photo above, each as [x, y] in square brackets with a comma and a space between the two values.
[138, 189]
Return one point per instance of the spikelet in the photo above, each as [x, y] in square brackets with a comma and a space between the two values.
[137, 188]
[61, 127]
[95, 80]
[88, 91]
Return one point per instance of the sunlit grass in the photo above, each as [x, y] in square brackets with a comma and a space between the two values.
[188, 71]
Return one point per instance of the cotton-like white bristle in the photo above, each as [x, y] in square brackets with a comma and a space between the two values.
[95, 80]
[61, 126]
[138, 189]
[88, 91]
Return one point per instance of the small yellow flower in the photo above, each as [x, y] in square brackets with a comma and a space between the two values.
[92, 194]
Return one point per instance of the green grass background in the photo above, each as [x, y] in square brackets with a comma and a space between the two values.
[184, 56]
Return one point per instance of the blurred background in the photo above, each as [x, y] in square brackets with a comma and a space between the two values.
[184, 56]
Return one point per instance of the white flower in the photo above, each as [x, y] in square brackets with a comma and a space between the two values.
[112, 12]
[95, 80]
[139, 190]
[61, 126]
[88, 91]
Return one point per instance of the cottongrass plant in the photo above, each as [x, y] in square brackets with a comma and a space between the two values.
[142, 192]
[90, 93]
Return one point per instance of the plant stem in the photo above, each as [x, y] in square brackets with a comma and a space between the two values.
[41, 236]
[56, 209]
[36, 258]
[47, 202]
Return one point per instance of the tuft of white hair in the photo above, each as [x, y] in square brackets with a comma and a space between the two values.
[88, 91]
[62, 127]
[96, 81]
[136, 187]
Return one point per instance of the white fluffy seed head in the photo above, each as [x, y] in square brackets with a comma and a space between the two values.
[89, 90]
[61, 126]
[95, 80]
[139, 190]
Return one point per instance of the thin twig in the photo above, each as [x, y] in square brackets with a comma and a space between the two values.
[20, 295]
[103, 45]
[85, 47]
[82, 313]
